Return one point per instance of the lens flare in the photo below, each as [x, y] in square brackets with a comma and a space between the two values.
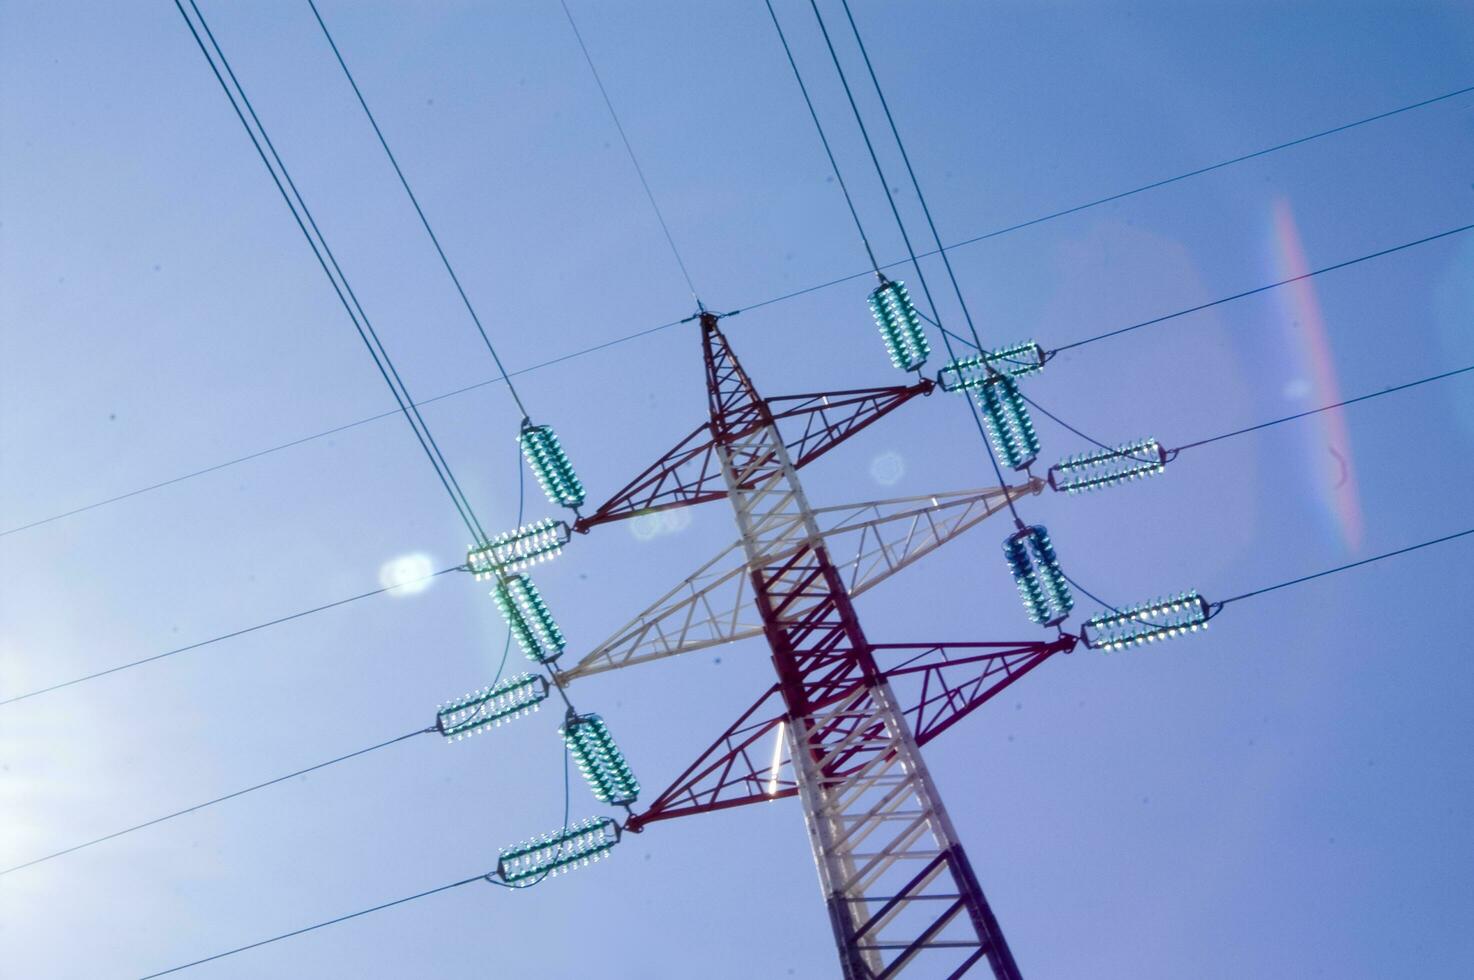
[1330, 459]
[407, 574]
[658, 523]
[888, 468]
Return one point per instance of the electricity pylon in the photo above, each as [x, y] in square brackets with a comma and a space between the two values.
[900, 889]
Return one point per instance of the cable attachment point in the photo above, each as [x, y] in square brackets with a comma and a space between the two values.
[1108, 467]
[549, 463]
[599, 759]
[1147, 622]
[513, 551]
[527, 616]
[704, 313]
[574, 846]
[1016, 361]
[479, 711]
[900, 325]
[1041, 583]
[1006, 417]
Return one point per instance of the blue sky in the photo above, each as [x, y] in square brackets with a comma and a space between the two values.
[1288, 796]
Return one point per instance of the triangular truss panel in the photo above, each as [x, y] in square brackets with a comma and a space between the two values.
[901, 892]
[829, 418]
[689, 474]
[939, 684]
[867, 542]
[936, 685]
[872, 541]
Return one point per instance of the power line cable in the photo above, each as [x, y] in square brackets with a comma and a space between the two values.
[1326, 408]
[915, 183]
[219, 799]
[628, 148]
[506, 649]
[318, 925]
[1260, 289]
[665, 326]
[762, 303]
[325, 258]
[906, 239]
[224, 636]
[1108, 199]
[819, 127]
[567, 809]
[381, 354]
[363, 595]
[489, 877]
[404, 182]
[336, 429]
[467, 881]
[1174, 450]
[1348, 566]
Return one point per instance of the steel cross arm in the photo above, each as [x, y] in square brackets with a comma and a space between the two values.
[870, 828]
[942, 683]
[938, 685]
[713, 605]
[832, 417]
[726, 774]
[688, 474]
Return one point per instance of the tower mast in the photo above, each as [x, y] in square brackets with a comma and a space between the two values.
[900, 890]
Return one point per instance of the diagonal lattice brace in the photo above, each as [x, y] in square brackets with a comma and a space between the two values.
[688, 474]
[937, 685]
[740, 767]
[813, 424]
[868, 542]
[900, 890]
[882, 537]
[712, 606]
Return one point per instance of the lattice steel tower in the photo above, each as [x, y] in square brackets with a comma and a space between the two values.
[901, 892]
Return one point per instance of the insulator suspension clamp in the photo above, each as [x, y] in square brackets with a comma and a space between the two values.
[1148, 622]
[513, 551]
[1108, 467]
[573, 846]
[1041, 583]
[479, 711]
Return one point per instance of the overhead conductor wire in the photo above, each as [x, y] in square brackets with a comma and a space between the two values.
[1394, 389]
[318, 925]
[232, 634]
[470, 308]
[911, 172]
[404, 182]
[466, 881]
[819, 128]
[506, 650]
[226, 636]
[634, 160]
[605, 345]
[371, 909]
[219, 799]
[905, 238]
[566, 765]
[329, 263]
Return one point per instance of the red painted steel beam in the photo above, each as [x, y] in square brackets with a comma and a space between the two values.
[689, 473]
[942, 684]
